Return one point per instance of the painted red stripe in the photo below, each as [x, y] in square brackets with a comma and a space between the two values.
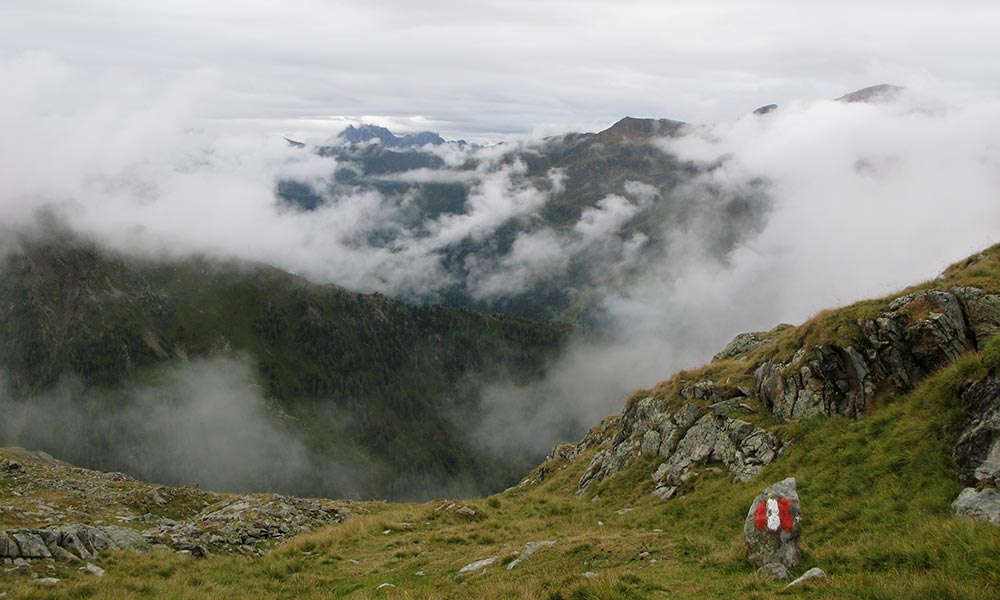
[785, 513]
[760, 515]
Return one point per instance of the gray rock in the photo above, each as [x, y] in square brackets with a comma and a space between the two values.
[774, 572]
[94, 570]
[773, 526]
[47, 581]
[743, 344]
[977, 452]
[122, 538]
[813, 573]
[529, 549]
[765, 110]
[982, 312]
[30, 544]
[918, 334]
[476, 566]
[665, 492]
[983, 505]
[685, 439]
[466, 512]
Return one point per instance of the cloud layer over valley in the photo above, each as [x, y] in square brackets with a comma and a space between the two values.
[862, 199]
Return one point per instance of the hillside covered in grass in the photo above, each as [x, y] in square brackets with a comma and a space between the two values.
[877, 409]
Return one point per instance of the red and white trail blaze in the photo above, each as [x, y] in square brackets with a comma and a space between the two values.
[773, 514]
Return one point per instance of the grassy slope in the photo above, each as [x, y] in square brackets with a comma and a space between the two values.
[876, 497]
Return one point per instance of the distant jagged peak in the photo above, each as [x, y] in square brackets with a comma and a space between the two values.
[632, 128]
[367, 132]
[882, 92]
[766, 109]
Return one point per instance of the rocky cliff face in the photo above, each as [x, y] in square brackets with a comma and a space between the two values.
[977, 453]
[917, 334]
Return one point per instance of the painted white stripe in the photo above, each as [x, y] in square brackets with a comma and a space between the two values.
[773, 518]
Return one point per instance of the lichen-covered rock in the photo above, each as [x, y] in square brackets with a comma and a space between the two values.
[741, 447]
[835, 381]
[742, 344]
[977, 452]
[773, 526]
[685, 438]
[982, 312]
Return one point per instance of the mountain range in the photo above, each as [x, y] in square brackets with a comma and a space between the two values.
[359, 394]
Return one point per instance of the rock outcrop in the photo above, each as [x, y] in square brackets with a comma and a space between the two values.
[685, 438]
[248, 524]
[895, 351]
[56, 510]
[742, 344]
[983, 505]
[773, 526]
[977, 452]
[69, 542]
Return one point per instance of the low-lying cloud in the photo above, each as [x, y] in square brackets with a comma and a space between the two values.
[205, 422]
[866, 200]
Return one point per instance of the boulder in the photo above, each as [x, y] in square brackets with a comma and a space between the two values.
[773, 526]
[978, 504]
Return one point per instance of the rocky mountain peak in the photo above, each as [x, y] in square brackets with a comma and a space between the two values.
[367, 132]
[882, 92]
[632, 128]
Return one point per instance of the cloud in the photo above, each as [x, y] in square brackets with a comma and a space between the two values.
[205, 422]
[866, 200]
[538, 255]
[483, 70]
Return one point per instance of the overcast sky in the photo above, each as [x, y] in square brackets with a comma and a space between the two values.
[488, 69]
